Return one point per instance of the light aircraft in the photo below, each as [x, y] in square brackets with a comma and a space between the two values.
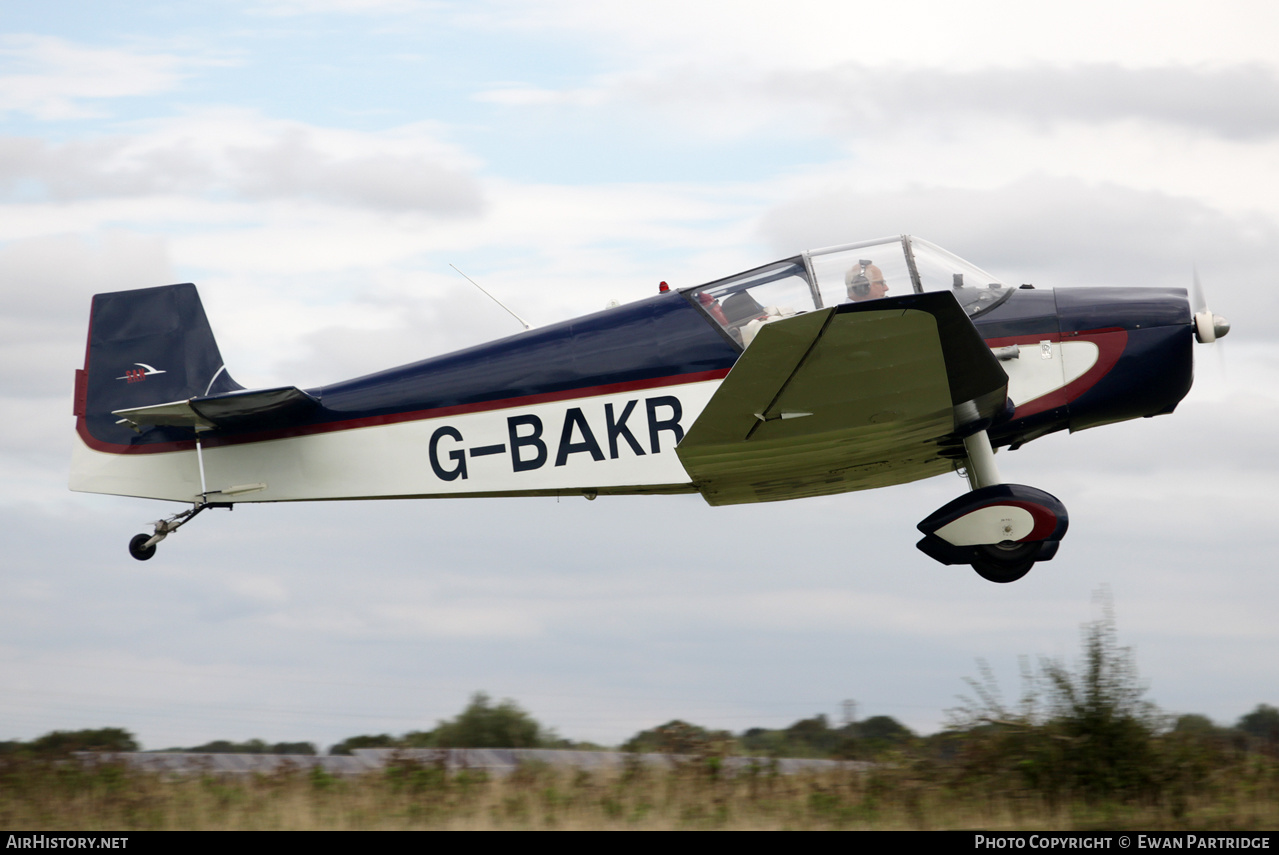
[846, 368]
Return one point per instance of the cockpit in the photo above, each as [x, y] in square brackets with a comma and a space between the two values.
[854, 272]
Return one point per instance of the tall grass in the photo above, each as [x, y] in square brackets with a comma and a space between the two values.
[903, 791]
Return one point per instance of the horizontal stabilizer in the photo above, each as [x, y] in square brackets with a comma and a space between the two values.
[247, 409]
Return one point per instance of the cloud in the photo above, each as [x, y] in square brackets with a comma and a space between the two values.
[854, 100]
[286, 8]
[34, 169]
[1236, 103]
[241, 155]
[52, 79]
[294, 165]
[47, 283]
[939, 34]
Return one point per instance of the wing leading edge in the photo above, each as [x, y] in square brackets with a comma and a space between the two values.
[851, 397]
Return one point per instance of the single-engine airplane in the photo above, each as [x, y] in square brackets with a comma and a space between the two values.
[846, 368]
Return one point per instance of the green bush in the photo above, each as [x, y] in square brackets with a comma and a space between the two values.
[1088, 733]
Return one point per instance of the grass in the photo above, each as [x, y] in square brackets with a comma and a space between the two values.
[48, 795]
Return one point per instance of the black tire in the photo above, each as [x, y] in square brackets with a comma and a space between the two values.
[1005, 562]
[136, 550]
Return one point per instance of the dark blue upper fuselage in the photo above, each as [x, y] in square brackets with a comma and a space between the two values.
[664, 339]
[1153, 374]
[656, 338]
[649, 342]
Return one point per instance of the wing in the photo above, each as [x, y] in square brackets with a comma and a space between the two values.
[852, 397]
[248, 409]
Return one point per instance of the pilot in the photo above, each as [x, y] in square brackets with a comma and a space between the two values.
[865, 281]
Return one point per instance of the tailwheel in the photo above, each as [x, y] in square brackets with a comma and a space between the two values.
[138, 548]
[1005, 562]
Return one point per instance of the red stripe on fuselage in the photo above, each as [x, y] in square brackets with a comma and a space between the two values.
[395, 418]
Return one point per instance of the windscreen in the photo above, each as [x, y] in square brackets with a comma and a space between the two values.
[938, 270]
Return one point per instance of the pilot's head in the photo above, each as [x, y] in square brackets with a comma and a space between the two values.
[865, 281]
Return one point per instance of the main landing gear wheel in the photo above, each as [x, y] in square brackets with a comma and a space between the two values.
[1001, 530]
[138, 549]
[1005, 562]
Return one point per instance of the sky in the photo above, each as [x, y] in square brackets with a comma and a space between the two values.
[316, 166]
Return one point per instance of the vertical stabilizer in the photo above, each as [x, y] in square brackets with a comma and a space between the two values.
[149, 346]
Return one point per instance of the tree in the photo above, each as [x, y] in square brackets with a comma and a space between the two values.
[1193, 724]
[882, 731]
[63, 742]
[675, 737]
[253, 746]
[483, 725]
[1263, 723]
[226, 746]
[812, 736]
[381, 740]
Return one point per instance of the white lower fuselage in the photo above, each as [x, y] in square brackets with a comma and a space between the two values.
[615, 443]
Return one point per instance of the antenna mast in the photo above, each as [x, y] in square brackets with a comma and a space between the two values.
[491, 297]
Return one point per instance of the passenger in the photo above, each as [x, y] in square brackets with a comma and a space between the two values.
[865, 281]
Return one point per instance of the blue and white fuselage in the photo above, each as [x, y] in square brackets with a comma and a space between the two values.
[778, 383]
[596, 403]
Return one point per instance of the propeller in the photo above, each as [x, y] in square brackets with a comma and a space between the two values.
[1208, 327]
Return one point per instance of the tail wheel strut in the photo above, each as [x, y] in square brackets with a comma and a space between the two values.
[142, 546]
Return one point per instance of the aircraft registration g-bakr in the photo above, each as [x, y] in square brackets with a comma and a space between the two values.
[848, 368]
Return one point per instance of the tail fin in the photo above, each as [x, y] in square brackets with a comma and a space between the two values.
[149, 346]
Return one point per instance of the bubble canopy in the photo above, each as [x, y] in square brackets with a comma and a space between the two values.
[853, 272]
